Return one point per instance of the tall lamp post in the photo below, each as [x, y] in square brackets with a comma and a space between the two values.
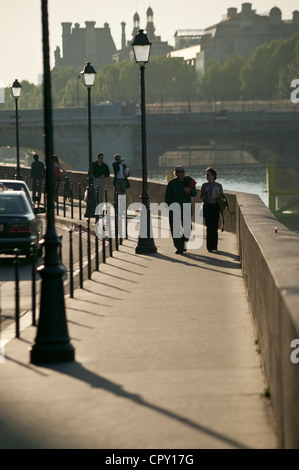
[89, 75]
[146, 244]
[16, 89]
[52, 342]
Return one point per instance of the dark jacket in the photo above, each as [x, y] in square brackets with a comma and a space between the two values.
[37, 170]
[100, 170]
[175, 192]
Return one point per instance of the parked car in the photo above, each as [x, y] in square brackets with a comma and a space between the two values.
[19, 185]
[20, 226]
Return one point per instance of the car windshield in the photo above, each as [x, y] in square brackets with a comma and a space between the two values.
[14, 186]
[11, 204]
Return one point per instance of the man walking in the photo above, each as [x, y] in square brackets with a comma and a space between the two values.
[37, 173]
[179, 191]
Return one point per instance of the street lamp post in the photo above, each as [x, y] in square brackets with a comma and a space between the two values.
[52, 342]
[146, 244]
[16, 89]
[89, 75]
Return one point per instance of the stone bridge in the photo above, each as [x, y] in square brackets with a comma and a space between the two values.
[265, 135]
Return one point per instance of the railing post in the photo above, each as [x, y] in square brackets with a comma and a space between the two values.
[71, 265]
[64, 198]
[33, 287]
[97, 250]
[80, 256]
[80, 202]
[88, 249]
[17, 294]
[72, 201]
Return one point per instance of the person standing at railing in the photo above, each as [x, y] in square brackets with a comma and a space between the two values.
[121, 174]
[100, 171]
[37, 173]
[58, 172]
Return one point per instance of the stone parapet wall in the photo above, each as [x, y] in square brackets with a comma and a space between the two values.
[269, 254]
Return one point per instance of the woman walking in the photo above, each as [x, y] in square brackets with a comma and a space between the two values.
[209, 194]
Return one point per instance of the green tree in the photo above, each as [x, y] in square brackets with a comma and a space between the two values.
[289, 73]
[222, 82]
[265, 74]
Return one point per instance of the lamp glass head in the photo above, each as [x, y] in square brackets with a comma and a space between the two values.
[16, 89]
[141, 47]
[88, 74]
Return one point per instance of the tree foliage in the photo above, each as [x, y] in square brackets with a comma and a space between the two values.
[267, 74]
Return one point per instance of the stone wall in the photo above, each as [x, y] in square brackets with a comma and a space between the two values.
[269, 254]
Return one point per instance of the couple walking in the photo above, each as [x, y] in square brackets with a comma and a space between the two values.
[180, 190]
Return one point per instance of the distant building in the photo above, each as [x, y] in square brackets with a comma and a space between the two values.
[81, 45]
[241, 33]
[185, 38]
[158, 48]
[187, 54]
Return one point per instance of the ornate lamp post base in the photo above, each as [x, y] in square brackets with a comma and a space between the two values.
[145, 246]
[52, 342]
[91, 201]
[146, 243]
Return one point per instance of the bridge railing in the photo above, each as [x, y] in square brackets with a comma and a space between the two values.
[218, 107]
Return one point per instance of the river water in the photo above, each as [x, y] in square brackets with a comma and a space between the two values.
[247, 179]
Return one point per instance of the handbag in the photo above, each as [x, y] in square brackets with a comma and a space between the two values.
[127, 183]
[223, 204]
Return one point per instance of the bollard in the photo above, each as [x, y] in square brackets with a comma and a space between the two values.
[33, 285]
[17, 294]
[80, 256]
[71, 265]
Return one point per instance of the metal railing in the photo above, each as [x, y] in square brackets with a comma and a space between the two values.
[81, 264]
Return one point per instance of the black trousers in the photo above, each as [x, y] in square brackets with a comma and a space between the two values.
[179, 240]
[211, 216]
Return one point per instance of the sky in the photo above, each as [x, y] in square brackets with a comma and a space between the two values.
[21, 32]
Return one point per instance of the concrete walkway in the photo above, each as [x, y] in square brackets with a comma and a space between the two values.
[165, 359]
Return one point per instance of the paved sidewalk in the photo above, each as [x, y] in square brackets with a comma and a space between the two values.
[165, 359]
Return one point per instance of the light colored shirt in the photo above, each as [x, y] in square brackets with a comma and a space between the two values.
[121, 173]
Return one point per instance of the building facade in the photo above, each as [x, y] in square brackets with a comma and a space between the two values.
[81, 45]
[241, 33]
[159, 47]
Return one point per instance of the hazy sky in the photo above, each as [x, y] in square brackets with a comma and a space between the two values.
[20, 24]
